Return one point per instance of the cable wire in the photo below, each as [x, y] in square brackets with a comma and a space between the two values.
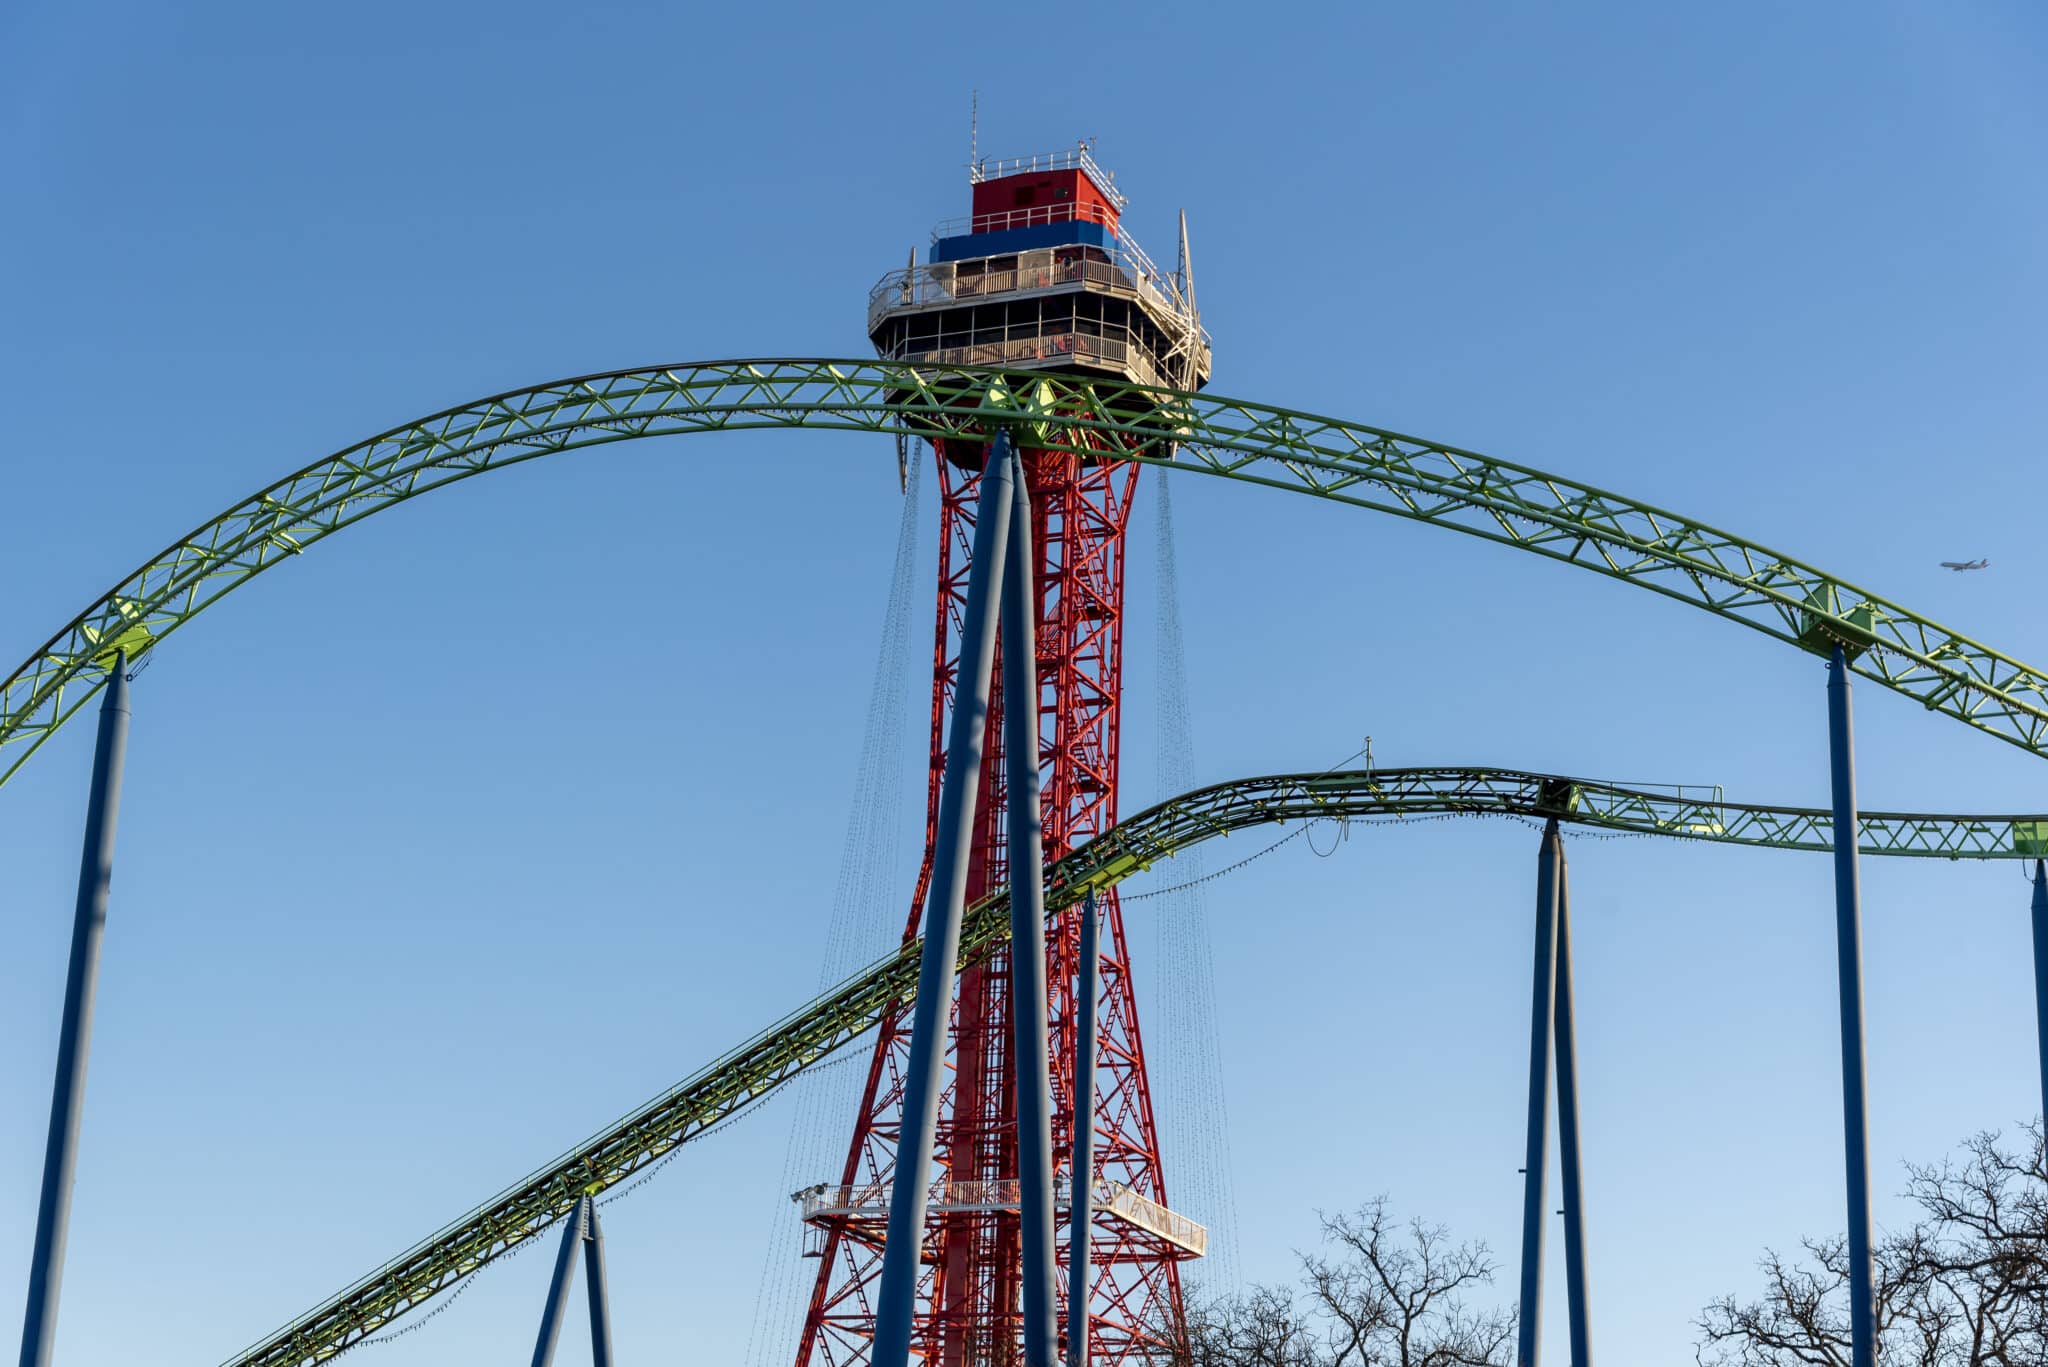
[868, 904]
[1187, 1055]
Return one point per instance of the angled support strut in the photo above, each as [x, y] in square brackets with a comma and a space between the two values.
[1079, 1289]
[1031, 1062]
[600, 1294]
[939, 960]
[559, 1284]
[580, 1229]
[74, 1042]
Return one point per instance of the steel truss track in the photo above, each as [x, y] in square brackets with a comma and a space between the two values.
[1369, 467]
[849, 1010]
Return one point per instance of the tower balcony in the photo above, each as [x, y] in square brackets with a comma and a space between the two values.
[1075, 309]
[864, 1209]
[1115, 352]
[1121, 271]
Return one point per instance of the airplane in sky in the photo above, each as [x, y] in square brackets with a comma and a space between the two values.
[1961, 565]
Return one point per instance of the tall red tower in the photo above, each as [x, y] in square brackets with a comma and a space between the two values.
[1041, 276]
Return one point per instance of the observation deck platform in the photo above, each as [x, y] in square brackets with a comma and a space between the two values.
[863, 1209]
[1043, 275]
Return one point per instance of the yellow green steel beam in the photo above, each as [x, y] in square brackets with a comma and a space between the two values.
[857, 1005]
[1254, 443]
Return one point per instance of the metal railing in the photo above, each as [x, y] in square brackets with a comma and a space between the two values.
[1072, 159]
[1126, 272]
[1137, 360]
[1148, 1214]
[1694, 809]
[870, 1201]
[1030, 216]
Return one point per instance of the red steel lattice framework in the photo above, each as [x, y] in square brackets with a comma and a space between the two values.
[968, 1311]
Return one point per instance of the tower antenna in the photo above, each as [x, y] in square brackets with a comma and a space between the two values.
[974, 134]
[1186, 271]
[1191, 315]
[902, 437]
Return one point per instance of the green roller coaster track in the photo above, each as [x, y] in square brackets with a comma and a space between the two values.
[1350, 463]
[1253, 443]
[842, 1015]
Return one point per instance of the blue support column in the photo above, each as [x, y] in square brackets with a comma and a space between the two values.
[1849, 980]
[1575, 1293]
[558, 1288]
[1536, 1154]
[600, 1297]
[74, 1040]
[939, 962]
[1030, 1062]
[2041, 978]
[1079, 1286]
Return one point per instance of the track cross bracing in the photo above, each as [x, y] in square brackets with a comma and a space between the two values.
[1369, 467]
[825, 1025]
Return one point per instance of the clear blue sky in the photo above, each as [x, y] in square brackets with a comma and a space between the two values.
[422, 876]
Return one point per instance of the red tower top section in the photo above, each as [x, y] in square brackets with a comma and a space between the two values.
[1064, 187]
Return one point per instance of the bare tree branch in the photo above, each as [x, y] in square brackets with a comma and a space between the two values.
[1376, 1294]
[1965, 1286]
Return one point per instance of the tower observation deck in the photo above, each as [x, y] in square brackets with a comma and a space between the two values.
[1041, 275]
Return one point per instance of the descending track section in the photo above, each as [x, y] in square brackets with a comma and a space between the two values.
[1347, 462]
[849, 1010]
